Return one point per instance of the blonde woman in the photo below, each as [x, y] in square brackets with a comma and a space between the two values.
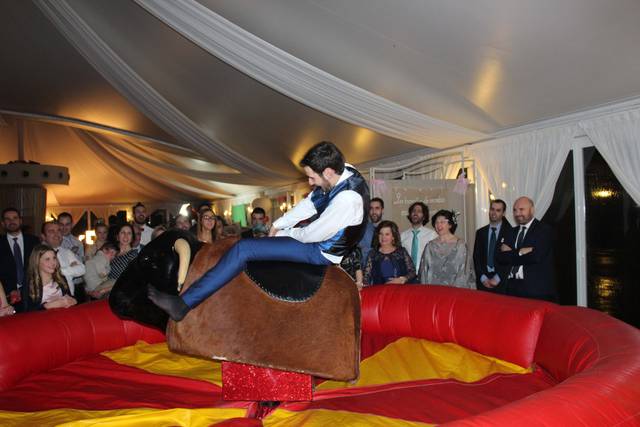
[47, 286]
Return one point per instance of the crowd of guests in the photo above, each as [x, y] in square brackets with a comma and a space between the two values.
[420, 254]
[509, 260]
[56, 270]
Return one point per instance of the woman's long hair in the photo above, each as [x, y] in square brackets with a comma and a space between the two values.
[394, 232]
[200, 228]
[33, 273]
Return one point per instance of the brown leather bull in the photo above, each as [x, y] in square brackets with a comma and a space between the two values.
[242, 323]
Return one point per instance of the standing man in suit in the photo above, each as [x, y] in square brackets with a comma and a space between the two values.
[376, 209]
[490, 275]
[15, 249]
[529, 253]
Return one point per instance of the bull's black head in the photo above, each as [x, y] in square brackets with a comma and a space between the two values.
[157, 264]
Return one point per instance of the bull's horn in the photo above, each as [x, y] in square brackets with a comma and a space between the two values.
[182, 248]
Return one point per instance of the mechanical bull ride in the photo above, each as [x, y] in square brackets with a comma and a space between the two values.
[288, 316]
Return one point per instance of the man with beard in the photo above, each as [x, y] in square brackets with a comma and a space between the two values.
[490, 275]
[15, 249]
[376, 209]
[140, 218]
[416, 238]
[339, 201]
[529, 254]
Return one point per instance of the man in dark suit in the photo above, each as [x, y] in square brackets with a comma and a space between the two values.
[529, 253]
[15, 249]
[490, 275]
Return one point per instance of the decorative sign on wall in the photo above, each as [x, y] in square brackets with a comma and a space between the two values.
[398, 195]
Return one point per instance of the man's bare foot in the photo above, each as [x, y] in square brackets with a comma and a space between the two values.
[173, 305]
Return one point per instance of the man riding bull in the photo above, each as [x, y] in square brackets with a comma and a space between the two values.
[340, 199]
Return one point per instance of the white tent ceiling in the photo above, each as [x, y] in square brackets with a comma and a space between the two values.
[483, 66]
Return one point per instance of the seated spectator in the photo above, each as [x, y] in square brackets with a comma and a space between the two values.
[124, 238]
[69, 241]
[206, 227]
[352, 264]
[220, 224]
[231, 230]
[70, 265]
[5, 308]
[183, 223]
[205, 206]
[388, 261]
[445, 259]
[158, 230]
[96, 279]
[137, 244]
[47, 286]
[102, 233]
[259, 226]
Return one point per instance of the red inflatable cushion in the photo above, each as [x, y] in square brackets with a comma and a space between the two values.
[41, 341]
[502, 327]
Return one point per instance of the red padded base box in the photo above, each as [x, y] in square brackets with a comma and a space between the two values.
[247, 382]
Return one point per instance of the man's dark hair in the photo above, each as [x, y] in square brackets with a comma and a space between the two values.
[43, 227]
[377, 199]
[502, 202]
[65, 215]
[204, 205]
[323, 155]
[258, 211]
[425, 211]
[11, 209]
[137, 205]
[110, 246]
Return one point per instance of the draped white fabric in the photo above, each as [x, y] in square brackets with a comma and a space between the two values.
[108, 168]
[300, 80]
[142, 95]
[523, 165]
[617, 138]
[482, 201]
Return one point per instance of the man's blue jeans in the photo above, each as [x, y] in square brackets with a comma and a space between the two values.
[236, 258]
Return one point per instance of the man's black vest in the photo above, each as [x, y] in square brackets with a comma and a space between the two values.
[343, 241]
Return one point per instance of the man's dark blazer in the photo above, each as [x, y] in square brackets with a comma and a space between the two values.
[537, 265]
[480, 252]
[8, 264]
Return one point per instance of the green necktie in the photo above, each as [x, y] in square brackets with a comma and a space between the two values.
[414, 247]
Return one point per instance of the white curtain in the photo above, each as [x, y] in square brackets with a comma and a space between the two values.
[528, 164]
[617, 138]
[482, 202]
[300, 80]
[141, 94]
